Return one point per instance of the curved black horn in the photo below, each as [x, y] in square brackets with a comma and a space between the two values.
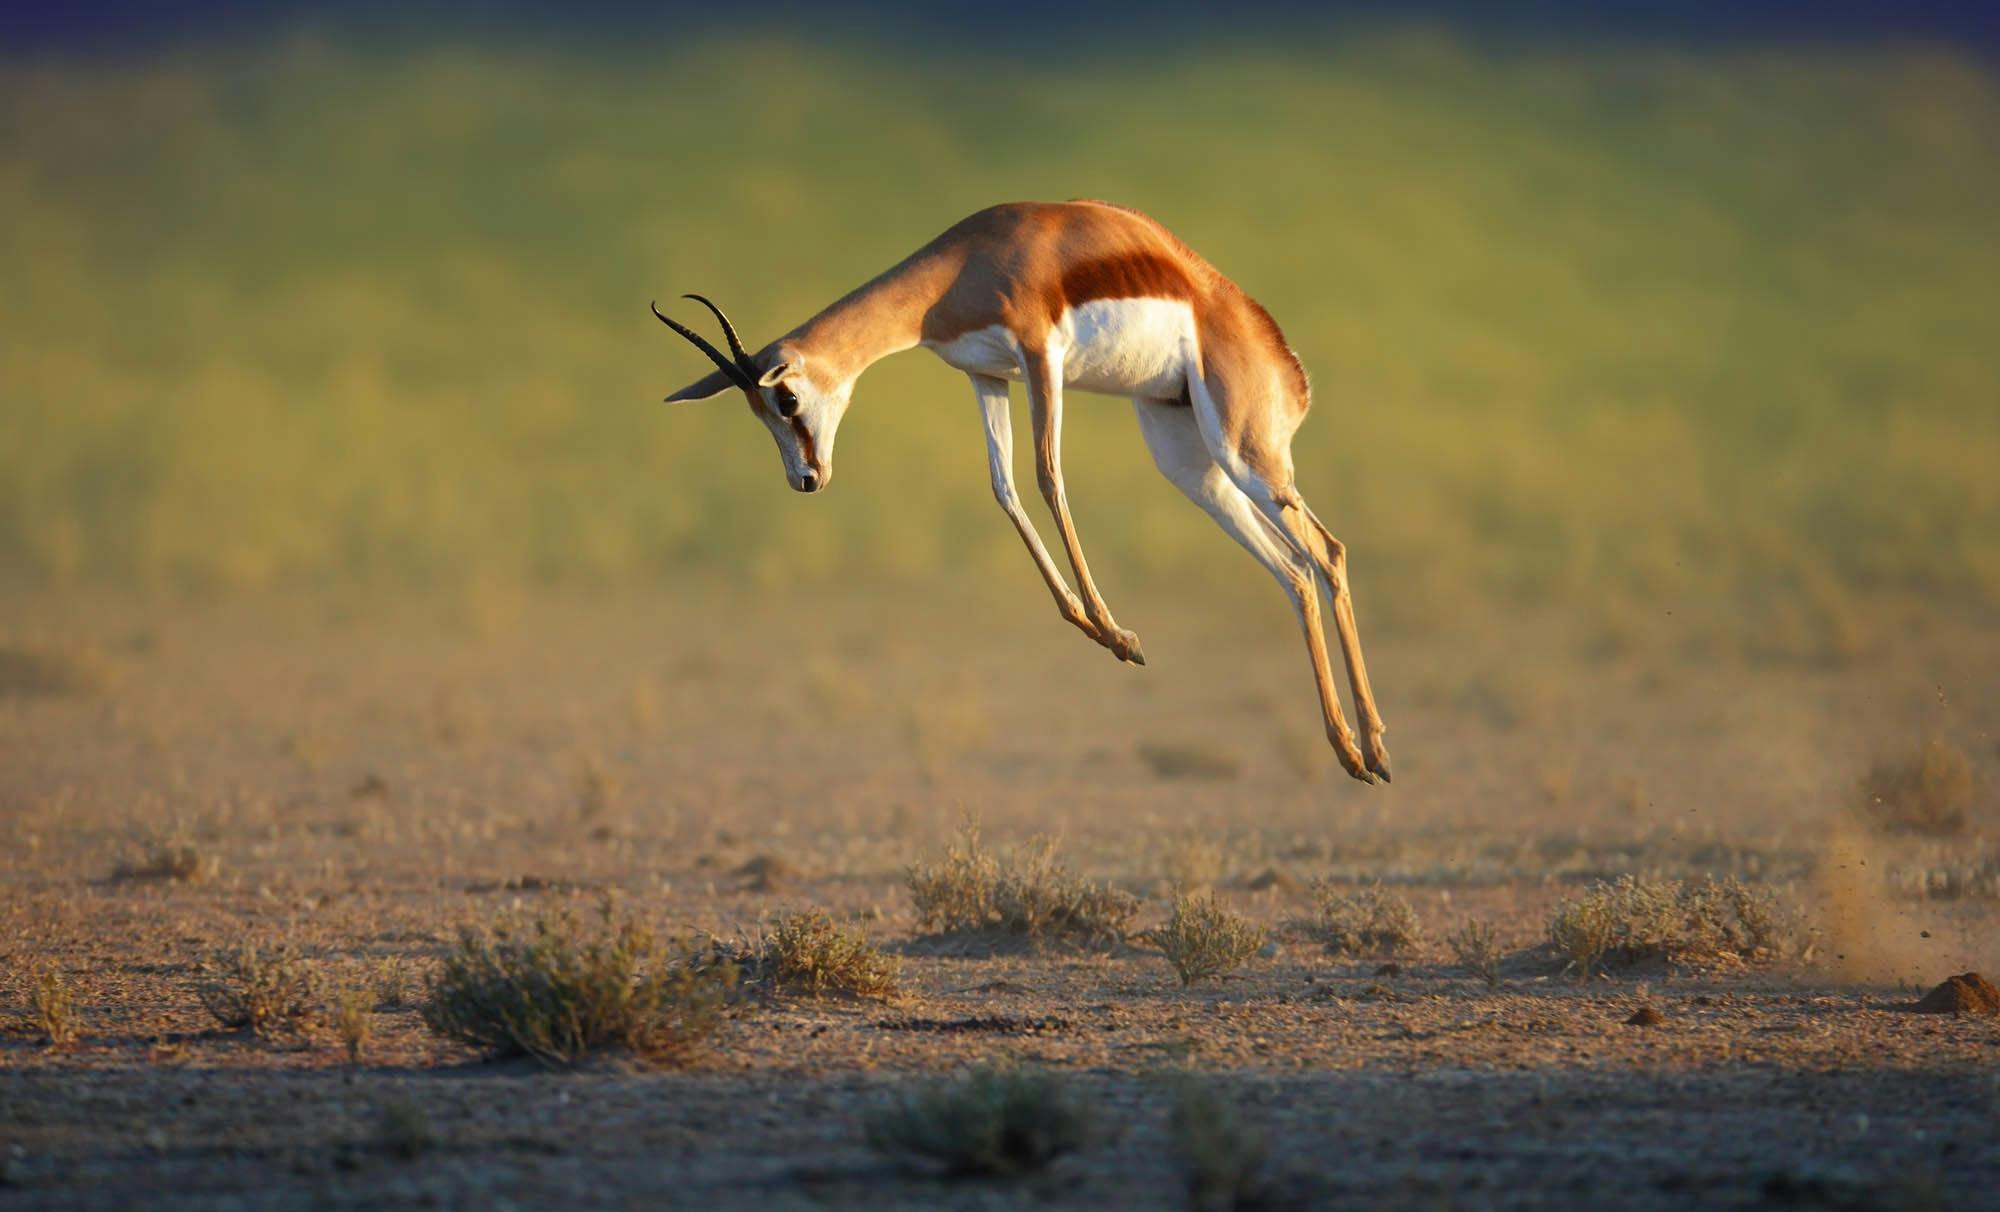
[736, 373]
[729, 333]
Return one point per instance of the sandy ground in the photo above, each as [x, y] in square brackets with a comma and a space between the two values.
[366, 776]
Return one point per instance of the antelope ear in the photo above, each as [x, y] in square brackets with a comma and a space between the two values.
[712, 384]
[773, 375]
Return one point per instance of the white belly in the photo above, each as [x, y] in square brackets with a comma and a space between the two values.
[1129, 347]
[1123, 347]
[983, 351]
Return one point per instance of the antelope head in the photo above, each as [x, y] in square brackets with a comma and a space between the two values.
[801, 412]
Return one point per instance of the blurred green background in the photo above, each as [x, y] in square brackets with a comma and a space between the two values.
[1609, 322]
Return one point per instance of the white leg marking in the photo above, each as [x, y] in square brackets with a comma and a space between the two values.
[996, 410]
[1045, 400]
[1182, 455]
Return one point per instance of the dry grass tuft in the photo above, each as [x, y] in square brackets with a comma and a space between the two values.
[558, 992]
[808, 952]
[990, 1122]
[1225, 1160]
[352, 1007]
[1637, 919]
[1369, 921]
[1474, 947]
[262, 989]
[54, 1008]
[1028, 895]
[1931, 791]
[1204, 938]
[169, 860]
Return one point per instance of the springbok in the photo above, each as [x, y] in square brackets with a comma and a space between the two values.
[1102, 298]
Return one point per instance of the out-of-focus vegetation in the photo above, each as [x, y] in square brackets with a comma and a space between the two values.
[1665, 324]
[1934, 790]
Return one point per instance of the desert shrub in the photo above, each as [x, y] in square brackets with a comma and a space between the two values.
[1204, 938]
[1634, 919]
[54, 1008]
[1028, 894]
[169, 860]
[1474, 947]
[558, 991]
[352, 1006]
[263, 989]
[989, 1122]
[808, 952]
[1224, 1160]
[1930, 791]
[1369, 921]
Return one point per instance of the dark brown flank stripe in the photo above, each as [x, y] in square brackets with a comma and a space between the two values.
[1136, 276]
[1132, 276]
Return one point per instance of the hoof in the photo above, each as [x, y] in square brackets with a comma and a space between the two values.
[1128, 648]
[1350, 757]
[1378, 753]
[1356, 770]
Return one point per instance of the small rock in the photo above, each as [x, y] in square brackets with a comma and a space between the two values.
[1646, 1016]
[1966, 993]
[1390, 969]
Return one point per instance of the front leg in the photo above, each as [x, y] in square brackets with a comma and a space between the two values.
[997, 412]
[1043, 370]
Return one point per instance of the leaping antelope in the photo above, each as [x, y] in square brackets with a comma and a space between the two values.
[1102, 298]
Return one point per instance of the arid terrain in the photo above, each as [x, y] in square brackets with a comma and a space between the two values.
[360, 778]
[371, 634]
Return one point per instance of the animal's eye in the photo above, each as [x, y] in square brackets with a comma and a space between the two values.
[787, 400]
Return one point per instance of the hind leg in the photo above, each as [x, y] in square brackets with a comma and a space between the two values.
[1175, 440]
[1278, 502]
[1331, 556]
[1247, 425]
